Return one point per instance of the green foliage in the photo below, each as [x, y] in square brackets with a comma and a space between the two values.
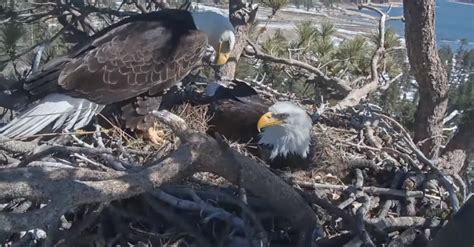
[394, 101]
[316, 40]
[393, 58]
[461, 77]
[10, 36]
[392, 64]
[445, 54]
[325, 31]
[324, 49]
[277, 45]
[275, 5]
[306, 34]
[354, 55]
[315, 45]
[323, 46]
[468, 59]
[57, 48]
[391, 39]
[462, 96]
[275, 74]
[16, 38]
[10, 39]
[353, 48]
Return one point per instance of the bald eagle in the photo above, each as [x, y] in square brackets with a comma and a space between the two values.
[142, 54]
[285, 134]
[282, 130]
[234, 111]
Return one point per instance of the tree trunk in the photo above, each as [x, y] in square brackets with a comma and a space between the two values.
[429, 73]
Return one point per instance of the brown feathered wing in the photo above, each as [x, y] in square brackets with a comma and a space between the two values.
[148, 52]
[128, 61]
[134, 61]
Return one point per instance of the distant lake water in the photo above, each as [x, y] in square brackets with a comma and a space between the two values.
[454, 21]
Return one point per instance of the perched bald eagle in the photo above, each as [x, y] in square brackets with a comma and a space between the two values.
[142, 54]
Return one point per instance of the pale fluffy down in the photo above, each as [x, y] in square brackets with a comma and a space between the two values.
[57, 112]
[293, 136]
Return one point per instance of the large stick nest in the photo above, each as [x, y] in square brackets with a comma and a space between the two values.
[369, 184]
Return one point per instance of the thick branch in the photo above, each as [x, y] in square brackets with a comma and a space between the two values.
[393, 224]
[367, 189]
[201, 153]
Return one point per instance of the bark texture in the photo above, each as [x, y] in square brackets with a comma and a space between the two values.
[429, 73]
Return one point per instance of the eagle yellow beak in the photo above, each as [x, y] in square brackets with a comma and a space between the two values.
[266, 120]
[222, 56]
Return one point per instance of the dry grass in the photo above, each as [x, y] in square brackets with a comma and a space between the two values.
[196, 117]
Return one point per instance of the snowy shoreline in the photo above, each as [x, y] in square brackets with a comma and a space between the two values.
[347, 20]
[460, 2]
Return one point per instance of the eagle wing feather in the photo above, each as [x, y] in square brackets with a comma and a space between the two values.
[124, 62]
[140, 56]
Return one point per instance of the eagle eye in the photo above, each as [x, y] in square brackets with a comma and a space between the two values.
[225, 46]
[281, 116]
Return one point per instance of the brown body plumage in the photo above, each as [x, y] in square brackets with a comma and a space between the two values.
[234, 112]
[237, 112]
[138, 56]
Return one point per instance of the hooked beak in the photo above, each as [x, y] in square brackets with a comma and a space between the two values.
[266, 120]
[222, 57]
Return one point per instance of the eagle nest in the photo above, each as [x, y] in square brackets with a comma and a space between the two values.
[369, 184]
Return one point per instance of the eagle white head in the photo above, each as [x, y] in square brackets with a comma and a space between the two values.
[286, 127]
[219, 30]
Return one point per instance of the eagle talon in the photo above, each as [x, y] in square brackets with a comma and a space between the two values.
[154, 135]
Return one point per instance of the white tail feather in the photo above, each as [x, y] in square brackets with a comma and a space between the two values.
[57, 111]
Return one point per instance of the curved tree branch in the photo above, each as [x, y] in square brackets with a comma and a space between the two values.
[69, 187]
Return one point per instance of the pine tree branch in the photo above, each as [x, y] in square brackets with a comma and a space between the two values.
[336, 83]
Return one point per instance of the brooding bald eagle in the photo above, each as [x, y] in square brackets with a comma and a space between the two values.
[234, 111]
[282, 130]
[285, 134]
[143, 54]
